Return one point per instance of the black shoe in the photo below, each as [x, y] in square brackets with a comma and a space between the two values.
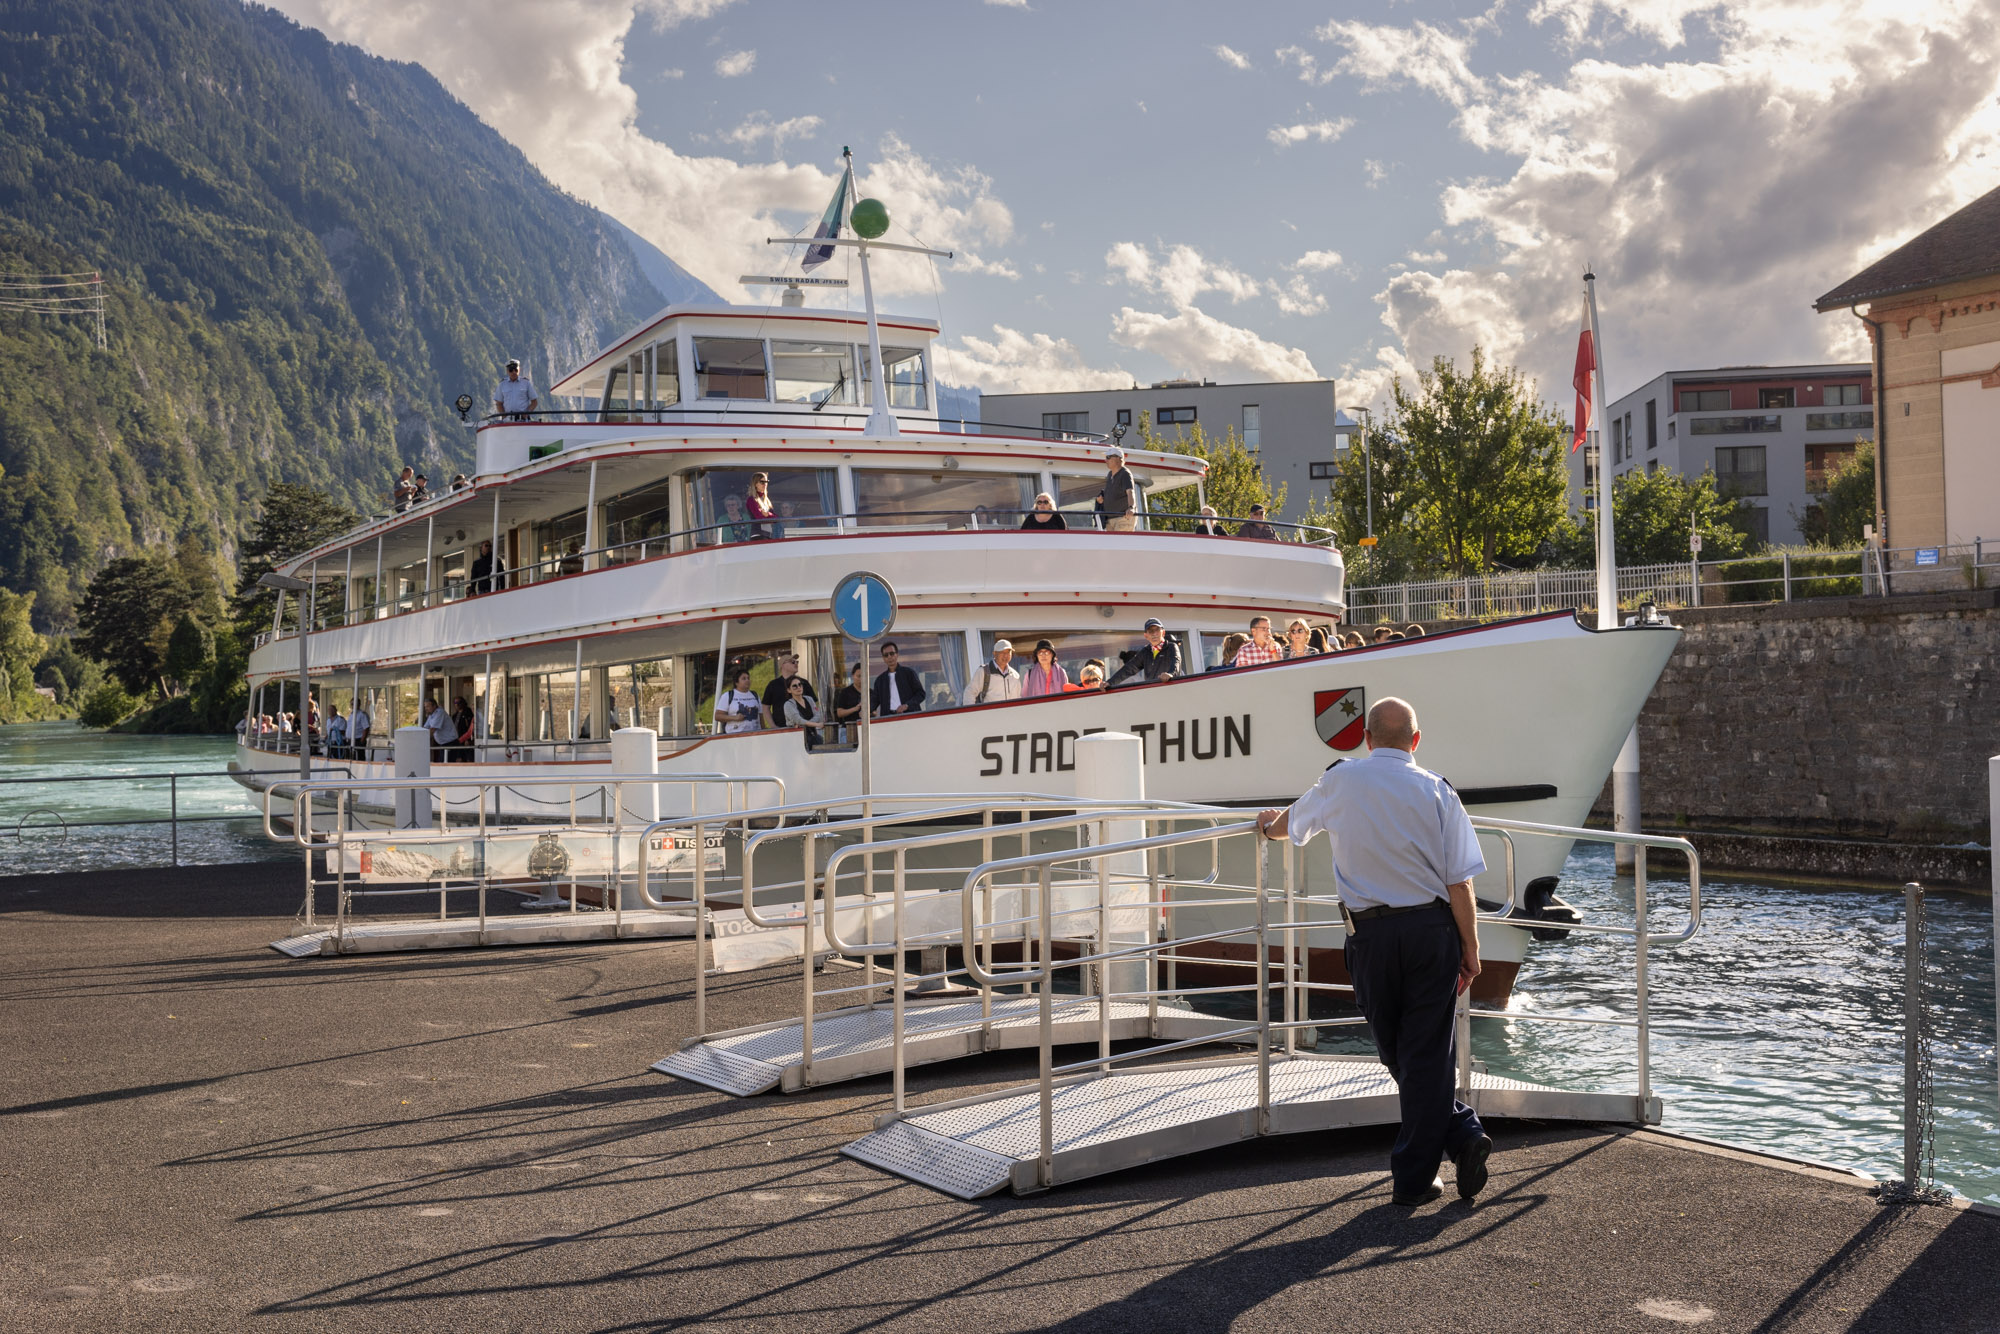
[1411, 1199]
[1471, 1164]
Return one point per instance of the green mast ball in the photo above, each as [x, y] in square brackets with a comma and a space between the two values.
[870, 218]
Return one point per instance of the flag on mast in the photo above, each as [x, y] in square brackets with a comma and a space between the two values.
[836, 213]
[1586, 363]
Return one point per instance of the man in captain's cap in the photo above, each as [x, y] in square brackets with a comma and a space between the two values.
[516, 395]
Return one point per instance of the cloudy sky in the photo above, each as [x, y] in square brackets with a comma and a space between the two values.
[1262, 191]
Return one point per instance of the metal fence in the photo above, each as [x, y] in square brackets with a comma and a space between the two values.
[1784, 576]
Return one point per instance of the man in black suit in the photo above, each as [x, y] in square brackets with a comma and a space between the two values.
[898, 689]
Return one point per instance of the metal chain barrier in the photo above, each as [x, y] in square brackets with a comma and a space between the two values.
[1919, 1184]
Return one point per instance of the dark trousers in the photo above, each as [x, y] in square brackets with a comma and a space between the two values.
[1405, 972]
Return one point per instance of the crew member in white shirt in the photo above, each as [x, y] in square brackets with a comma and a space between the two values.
[516, 393]
[358, 725]
[442, 729]
[1404, 855]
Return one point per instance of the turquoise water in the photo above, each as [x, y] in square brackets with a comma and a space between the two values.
[1801, 985]
[42, 822]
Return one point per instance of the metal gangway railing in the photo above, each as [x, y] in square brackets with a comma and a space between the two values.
[429, 851]
[1019, 1129]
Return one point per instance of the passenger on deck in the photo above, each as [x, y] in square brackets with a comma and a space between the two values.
[1404, 857]
[1320, 639]
[336, 735]
[1256, 527]
[1299, 639]
[1207, 526]
[1353, 639]
[515, 396]
[997, 682]
[1261, 648]
[847, 704]
[803, 712]
[776, 693]
[763, 514]
[423, 491]
[358, 725]
[1045, 676]
[1089, 677]
[897, 688]
[1158, 659]
[459, 482]
[405, 493]
[736, 526]
[1382, 633]
[1045, 517]
[1413, 630]
[488, 574]
[462, 723]
[1232, 644]
[738, 709]
[1121, 496]
[442, 729]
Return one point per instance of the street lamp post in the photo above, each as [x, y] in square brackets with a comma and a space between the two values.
[283, 584]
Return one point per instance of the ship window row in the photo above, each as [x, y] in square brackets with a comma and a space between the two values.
[805, 373]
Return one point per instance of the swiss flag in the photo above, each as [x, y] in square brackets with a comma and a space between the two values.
[1586, 363]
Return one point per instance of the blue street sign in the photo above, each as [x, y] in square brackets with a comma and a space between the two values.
[1927, 555]
[864, 606]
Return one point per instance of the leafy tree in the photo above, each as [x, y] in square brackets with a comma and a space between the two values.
[294, 518]
[1235, 479]
[20, 649]
[128, 614]
[67, 672]
[190, 650]
[1651, 517]
[1836, 518]
[106, 705]
[1470, 463]
[1400, 553]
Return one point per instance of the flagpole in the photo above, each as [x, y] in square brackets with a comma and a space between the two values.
[1607, 547]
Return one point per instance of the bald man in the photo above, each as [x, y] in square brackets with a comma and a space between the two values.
[1404, 855]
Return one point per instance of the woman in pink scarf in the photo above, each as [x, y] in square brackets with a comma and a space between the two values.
[1046, 677]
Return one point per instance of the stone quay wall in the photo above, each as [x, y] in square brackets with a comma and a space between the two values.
[1835, 718]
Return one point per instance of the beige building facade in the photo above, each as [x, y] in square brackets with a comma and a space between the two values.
[1932, 312]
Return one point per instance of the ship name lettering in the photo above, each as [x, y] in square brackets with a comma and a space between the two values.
[1055, 752]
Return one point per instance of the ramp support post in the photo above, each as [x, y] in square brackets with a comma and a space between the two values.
[1625, 796]
[413, 760]
[1111, 766]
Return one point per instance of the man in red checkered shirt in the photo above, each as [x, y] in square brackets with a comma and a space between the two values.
[1261, 648]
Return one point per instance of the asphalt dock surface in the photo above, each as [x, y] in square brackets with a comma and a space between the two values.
[197, 1133]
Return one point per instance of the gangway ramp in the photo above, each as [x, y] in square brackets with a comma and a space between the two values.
[1107, 1123]
[858, 1042]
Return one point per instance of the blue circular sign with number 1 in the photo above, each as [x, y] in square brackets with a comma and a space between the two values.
[864, 606]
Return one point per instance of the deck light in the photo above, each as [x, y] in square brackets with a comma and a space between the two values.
[464, 405]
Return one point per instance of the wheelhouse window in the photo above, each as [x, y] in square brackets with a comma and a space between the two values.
[636, 517]
[731, 368]
[805, 500]
[815, 374]
[663, 370]
[942, 499]
[908, 383]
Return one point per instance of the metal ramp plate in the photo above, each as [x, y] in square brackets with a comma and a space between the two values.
[705, 1063]
[856, 1043]
[462, 932]
[1126, 1120]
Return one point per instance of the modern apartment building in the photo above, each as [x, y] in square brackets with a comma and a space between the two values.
[1771, 433]
[1290, 425]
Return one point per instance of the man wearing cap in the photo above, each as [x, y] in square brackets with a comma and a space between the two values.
[516, 395]
[1404, 855]
[1158, 659]
[1121, 502]
[997, 681]
[1256, 526]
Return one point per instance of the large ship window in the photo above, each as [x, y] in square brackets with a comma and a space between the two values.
[642, 695]
[1073, 647]
[635, 517]
[559, 546]
[760, 660]
[730, 367]
[938, 661]
[815, 374]
[806, 500]
[907, 381]
[665, 358]
[942, 499]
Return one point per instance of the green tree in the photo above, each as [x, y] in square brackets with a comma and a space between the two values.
[294, 518]
[1836, 518]
[1473, 464]
[20, 649]
[106, 706]
[1652, 516]
[67, 672]
[190, 651]
[128, 614]
[1235, 479]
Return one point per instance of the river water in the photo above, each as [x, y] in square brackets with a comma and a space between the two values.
[1797, 990]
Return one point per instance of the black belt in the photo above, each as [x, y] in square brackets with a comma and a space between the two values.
[1370, 914]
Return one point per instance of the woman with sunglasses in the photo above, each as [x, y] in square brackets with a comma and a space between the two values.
[1298, 639]
[1045, 517]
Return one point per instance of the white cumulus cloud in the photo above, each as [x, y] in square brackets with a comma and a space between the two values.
[759, 126]
[1181, 274]
[736, 64]
[1233, 58]
[1198, 344]
[1012, 362]
[1317, 261]
[672, 13]
[1325, 131]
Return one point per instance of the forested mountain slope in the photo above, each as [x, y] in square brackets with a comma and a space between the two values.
[309, 253]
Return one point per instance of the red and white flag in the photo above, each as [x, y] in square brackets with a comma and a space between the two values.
[1586, 363]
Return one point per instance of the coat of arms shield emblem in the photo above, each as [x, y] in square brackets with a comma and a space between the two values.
[1340, 715]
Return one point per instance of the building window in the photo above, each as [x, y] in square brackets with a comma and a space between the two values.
[1124, 416]
[1652, 423]
[1774, 398]
[1324, 472]
[1628, 435]
[1252, 427]
[1842, 395]
[1821, 460]
[1174, 416]
[1670, 428]
[1756, 523]
[1065, 421]
[1704, 400]
[730, 367]
[1840, 421]
[1741, 468]
[1652, 466]
[1734, 425]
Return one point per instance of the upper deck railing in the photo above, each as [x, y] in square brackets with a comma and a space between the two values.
[330, 612]
[729, 410]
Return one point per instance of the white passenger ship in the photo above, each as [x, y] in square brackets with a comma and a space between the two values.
[635, 574]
